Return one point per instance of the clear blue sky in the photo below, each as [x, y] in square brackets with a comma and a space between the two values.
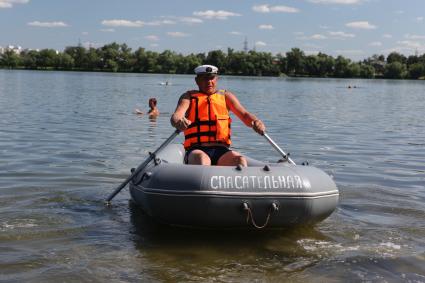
[352, 28]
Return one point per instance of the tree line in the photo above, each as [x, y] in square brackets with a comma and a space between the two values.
[116, 57]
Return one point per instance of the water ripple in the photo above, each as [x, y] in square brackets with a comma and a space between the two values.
[72, 138]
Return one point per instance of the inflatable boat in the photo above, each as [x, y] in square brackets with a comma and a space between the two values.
[262, 195]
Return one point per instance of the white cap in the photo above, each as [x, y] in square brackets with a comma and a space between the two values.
[206, 70]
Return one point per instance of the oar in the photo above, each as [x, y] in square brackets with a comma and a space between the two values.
[285, 156]
[141, 167]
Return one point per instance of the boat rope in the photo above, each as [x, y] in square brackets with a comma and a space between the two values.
[249, 215]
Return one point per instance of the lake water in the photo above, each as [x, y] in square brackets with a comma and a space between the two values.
[68, 139]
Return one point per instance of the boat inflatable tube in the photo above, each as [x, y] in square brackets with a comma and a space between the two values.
[262, 195]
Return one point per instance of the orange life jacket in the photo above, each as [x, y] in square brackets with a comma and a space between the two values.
[210, 119]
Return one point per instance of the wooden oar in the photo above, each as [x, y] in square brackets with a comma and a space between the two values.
[141, 167]
[285, 156]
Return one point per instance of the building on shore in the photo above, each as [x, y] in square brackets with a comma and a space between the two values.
[17, 49]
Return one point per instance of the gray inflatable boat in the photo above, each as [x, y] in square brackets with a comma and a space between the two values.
[262, 195]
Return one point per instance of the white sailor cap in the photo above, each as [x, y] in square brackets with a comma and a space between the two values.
[206, 70]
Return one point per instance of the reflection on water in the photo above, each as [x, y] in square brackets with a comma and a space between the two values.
[67, 139]
[151, 127]
[202, 253]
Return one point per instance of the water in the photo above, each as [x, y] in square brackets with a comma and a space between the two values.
[67, 139]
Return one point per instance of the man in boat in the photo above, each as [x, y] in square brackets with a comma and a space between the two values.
[203, 116]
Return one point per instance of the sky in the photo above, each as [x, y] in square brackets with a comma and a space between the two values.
[356, 29]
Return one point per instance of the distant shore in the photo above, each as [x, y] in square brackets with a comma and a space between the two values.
[116, 57]
[239, 75]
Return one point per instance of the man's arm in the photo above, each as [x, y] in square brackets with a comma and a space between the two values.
[178, 119]
[246, 117]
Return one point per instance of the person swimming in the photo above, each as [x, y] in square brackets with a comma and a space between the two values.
[153, 111]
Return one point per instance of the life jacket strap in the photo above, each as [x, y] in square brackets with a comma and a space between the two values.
[202, 123]
[200, 134]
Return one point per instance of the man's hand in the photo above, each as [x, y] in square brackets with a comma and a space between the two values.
[182, 124]
[258, 126]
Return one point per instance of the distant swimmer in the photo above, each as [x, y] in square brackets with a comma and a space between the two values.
[153, 111]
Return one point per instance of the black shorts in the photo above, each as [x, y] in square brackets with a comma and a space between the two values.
[214, 152]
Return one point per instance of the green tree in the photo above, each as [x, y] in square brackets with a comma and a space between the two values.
[47, 58]
[326, 65]
[412, 59]
[396, 57]
[29, 59]
[341, 67]
[93, 61]
[110, 54]
[312, 65]
[237, 64]
[119, 57]
[217, 58]
[295, 61]
[111, 65]
[367, 71]
[167, 62]
[186, 64]
[378, 64]
[78, 53]
[201, 57]
[64, 61]
[395, 70]
[140, 60]
[152, 62]
[125, 58]
[10, 59]
[416, 70]
[262, 63]
[352, 71]
[282, 63]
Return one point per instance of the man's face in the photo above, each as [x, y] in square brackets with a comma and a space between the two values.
[207, 83]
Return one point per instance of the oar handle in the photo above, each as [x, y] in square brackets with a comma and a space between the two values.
[285, 156]
[140, 168]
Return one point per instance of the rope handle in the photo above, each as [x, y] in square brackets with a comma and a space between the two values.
[249, 215]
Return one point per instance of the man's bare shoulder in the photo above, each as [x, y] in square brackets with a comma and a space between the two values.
[229, 95]
[187, 94]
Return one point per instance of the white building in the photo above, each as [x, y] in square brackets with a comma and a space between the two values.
[17, 49]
